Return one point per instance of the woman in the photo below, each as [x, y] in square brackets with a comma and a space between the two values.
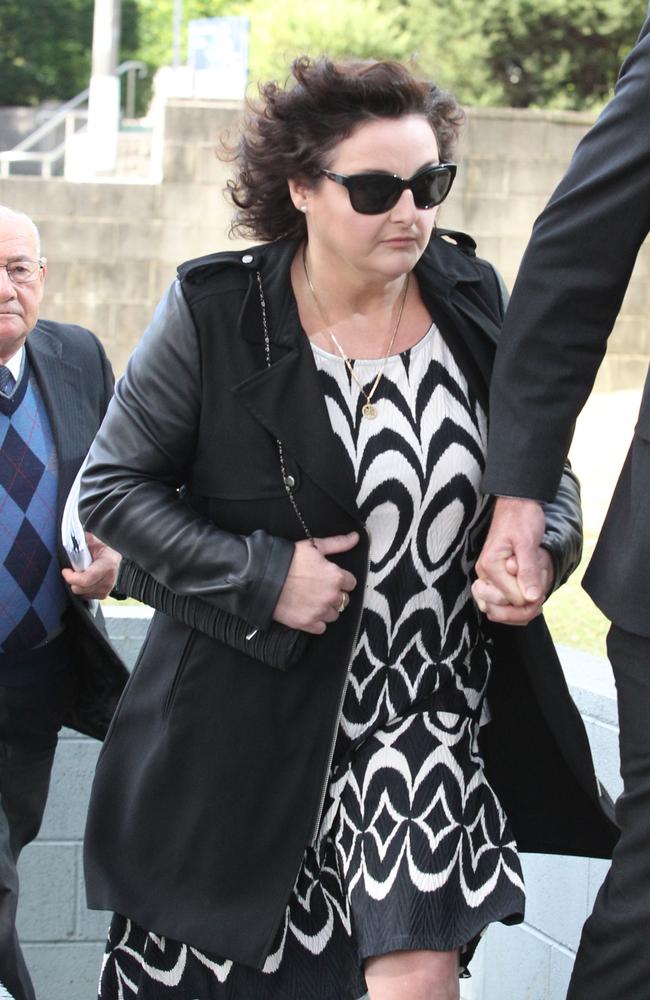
[299, 439]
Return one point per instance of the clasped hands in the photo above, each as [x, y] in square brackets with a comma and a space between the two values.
[514, 573]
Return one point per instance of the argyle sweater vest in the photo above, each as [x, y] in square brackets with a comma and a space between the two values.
[32, 593]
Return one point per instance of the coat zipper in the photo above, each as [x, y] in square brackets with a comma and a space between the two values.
[339, 713]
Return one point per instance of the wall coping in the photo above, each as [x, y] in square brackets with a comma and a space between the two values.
[532, 114]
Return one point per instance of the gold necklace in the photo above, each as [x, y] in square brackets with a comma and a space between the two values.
[369, 408]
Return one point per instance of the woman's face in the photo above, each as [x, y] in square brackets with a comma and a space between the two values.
[376, 246]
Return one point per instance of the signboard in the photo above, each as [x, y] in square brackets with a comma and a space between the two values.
[218, 56]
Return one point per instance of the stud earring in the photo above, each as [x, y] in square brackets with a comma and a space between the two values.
[303, 208]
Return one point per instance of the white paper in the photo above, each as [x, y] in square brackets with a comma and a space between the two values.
[74, 537]
[72, 532]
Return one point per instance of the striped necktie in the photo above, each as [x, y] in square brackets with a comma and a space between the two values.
[7, 381]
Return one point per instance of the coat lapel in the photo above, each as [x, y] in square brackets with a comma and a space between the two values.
[286, 397]
[450, 283]
[60, 383]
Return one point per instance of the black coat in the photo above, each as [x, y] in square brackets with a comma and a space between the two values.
[211, 780]
[567, 295]
[76, 381]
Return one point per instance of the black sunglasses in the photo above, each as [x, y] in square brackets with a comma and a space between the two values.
[374, 193]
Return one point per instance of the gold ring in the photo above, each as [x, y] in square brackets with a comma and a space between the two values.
[344, 602]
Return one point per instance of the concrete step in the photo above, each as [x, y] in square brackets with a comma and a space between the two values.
[133, 153]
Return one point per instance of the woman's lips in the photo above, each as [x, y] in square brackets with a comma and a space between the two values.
[400, 241]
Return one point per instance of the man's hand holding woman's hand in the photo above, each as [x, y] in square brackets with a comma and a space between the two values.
[514, 573]
[316, 590]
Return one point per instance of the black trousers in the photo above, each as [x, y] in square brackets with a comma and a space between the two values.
[30, 719]
[613, 960]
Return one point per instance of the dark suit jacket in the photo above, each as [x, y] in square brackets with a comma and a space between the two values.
[76, 381]
[565, 301]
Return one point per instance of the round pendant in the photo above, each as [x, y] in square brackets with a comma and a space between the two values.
[369, 410]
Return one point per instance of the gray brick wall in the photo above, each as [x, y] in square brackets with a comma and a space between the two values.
[533, 961]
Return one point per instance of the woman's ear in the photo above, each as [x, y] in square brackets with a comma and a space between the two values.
[299, 193]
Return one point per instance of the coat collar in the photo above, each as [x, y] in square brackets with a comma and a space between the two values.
[61, 386]
[286, 397]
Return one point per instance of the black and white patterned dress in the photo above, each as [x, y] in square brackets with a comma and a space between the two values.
[414, 850]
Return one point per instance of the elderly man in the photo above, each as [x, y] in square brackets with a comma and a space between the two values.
[56, 666]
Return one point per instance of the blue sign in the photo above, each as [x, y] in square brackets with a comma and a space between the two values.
[218, 48]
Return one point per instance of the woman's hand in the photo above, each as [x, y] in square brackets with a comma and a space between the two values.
[316, 590]
[494, 603]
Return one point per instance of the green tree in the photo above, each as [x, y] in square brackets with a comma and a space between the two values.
[284, 29]
[45, 53]
[524, 53]
[156, 27]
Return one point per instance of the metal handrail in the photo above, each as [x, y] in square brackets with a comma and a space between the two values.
[45, 158]
[131, 67]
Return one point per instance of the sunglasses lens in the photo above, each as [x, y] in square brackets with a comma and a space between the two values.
[373, 195]
[431, 188]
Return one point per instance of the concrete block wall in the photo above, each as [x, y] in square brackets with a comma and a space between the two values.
[114, 246]
[64, 941]
[533, 960]
[510, 162]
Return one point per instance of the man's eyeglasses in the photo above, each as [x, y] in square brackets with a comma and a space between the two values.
[21, 272]
[374, 193]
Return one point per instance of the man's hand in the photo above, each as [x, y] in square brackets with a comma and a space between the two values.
[493, 603]
[99, 579]
[514, 574]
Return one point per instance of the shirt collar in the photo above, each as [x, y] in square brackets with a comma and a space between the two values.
[15, 366]
[15, 363]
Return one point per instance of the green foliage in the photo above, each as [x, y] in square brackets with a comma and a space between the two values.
[525, 53]
[45, 51]
[284, 29]
[156, 27]
[28, 71]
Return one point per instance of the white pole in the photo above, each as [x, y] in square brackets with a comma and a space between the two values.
[177, 24]
[104, 98]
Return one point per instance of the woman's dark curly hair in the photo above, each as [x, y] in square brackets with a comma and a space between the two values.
[291, 132]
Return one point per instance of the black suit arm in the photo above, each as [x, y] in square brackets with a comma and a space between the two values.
[569, 290]
[563, 535]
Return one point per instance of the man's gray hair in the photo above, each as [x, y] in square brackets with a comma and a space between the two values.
[5, 210]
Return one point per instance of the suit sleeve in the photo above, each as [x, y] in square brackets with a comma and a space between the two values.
[138, 463]
[569, 290]
[108, 378]
[563, 534]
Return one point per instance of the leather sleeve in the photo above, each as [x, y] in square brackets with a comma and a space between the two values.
[139, 460]
[563, 531]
